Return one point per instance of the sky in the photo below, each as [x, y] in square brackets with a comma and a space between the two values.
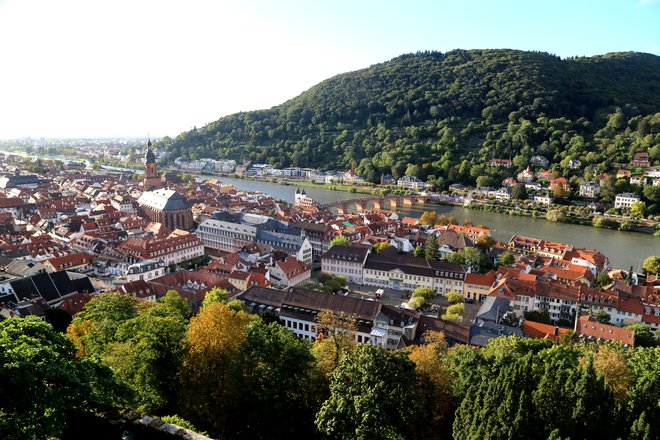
[113, 68]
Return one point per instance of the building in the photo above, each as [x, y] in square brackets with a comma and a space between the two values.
[505, 163]
[574, 164]
[377, 324]
[641, 160]
[178, 246]
[21, 181]
[526, 176]
[151, 178]
[145, 270]
[503, 193]
[412, 182]
[488, 323]
[317, 234]
[544, 248]
[638, 180]
[477, 286]
[289, 272]
[625, 200]
[539, 161]
[398, 271]
[345, 261]
[589, 190]
[544, 199]
[51, 287]
[452, 241]
[77, 262]
[559, 182]
[168, 207]
[301, 199]
[231, 231]
[590, 330]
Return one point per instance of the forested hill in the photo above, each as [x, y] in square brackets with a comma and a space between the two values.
[438, 110]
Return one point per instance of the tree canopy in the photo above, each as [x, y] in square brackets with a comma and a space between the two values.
[44, 384]
[446, 115]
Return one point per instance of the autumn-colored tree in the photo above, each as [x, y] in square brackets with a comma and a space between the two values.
[214, 336]
[485, 242]
[335, 337]
[435, 381]
[612, 363]
[429, 218]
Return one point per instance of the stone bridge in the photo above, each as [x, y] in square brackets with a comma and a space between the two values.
[391, 202]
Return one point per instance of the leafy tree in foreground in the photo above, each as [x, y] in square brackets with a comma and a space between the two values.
[97, 324]
[270, 375]
[142, 341]
[43, 384]
[644, 393]
[593, 406]
[372, 396]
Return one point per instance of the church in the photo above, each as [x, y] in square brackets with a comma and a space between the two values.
[160, 204]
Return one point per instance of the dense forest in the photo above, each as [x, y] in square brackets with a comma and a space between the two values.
[233, 374]
[443, 116]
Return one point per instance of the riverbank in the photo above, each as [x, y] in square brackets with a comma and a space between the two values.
[553, 214]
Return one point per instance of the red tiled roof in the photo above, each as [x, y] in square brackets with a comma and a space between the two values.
[538, 330]
[590, 329]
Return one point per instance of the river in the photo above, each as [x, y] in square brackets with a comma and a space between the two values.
[624, 249]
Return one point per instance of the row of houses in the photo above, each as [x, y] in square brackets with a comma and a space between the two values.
[393, 269]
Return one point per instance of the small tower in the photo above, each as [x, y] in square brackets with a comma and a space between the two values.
[299, 196]
[151, 178]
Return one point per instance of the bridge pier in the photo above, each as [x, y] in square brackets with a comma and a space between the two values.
[378, 204]
[359, 207]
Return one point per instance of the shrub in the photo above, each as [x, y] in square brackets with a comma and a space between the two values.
[454, 297]
[456, 309]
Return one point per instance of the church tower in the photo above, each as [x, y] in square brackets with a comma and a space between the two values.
[151, 178]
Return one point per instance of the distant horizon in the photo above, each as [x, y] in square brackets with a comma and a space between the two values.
[79, 69]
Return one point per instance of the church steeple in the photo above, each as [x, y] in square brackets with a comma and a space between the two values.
[151, 177]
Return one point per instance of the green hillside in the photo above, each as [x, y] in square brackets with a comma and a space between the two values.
[443, 116]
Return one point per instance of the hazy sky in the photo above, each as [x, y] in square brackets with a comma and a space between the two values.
[75, 68]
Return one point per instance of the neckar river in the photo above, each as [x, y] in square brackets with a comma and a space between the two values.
[624, 249]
